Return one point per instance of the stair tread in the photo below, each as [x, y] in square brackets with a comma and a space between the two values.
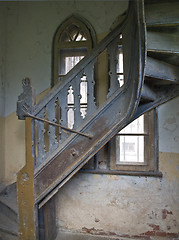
[157, 69]
[162, 14]
[168, 57]
[8, 225]
[164, 94]
[6, 210]
[6, 236]
[148, 93]
[9, 197]
[163, 41]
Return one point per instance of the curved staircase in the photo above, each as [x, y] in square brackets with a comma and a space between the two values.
[153, 79]
[161, 71]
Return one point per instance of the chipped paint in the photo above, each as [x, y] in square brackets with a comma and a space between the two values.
[169, 163]
[112, 177]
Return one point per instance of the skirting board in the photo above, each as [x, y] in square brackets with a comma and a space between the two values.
[82, 236]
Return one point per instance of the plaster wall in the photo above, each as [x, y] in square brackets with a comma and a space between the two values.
[2, 87]
[128, 205]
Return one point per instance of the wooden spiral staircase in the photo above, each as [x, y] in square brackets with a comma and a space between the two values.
[151, 78]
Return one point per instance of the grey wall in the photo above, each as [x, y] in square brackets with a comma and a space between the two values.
[3, 20]
[169, 126]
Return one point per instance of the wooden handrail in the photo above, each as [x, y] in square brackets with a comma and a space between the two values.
[58, 125]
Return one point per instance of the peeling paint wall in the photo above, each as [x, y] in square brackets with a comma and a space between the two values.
[128, 206]
[3, 20]
[121, 205]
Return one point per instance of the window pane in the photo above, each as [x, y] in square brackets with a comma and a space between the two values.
[70, 96]
[70, 118]
[68, 58]
[70, 62]
[129, 149]
[83, 90]
[137, 126]
[119, 67]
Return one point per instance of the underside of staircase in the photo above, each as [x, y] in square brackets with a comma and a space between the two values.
[150, 44]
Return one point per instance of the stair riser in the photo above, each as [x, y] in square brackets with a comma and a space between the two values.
[7, 236]
[161, 41]
[162, 14]
[160, 70]
[8, 212]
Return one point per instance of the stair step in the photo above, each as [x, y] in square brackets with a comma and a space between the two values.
[162, 72]
[163, 41]
[163, 95]
[10, 213]
[158, 1]
[7, 236]
[168, 57]
[9, 197]
[7, 225]
[162, 14]
[148, 93]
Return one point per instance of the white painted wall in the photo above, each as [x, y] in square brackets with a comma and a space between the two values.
[169, 126]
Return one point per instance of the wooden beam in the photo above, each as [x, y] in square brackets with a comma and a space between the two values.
[47, 221]
[163, 41]
[162, 14]
[25, 191]
[164, 95]
[163, 72]
[148, 93]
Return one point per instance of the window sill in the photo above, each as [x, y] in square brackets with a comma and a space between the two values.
[128, 173]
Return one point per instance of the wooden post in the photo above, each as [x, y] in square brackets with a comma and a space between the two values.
[25, 191]
[47, 221]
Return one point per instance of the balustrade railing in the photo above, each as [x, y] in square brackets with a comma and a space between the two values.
[71, 102]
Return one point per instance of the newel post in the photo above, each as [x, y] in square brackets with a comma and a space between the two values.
[25, 178]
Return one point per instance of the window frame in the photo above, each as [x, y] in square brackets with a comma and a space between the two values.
[150, 136]
[58, 45]
[68, 52]
[108, 155]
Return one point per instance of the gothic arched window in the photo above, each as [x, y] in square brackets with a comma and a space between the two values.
[73, 40]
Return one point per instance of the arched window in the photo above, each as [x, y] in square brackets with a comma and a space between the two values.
[73, 40]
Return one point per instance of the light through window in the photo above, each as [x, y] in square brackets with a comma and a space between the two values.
[70, 62]
[130, 143]
[119, 67]
[72, 42]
